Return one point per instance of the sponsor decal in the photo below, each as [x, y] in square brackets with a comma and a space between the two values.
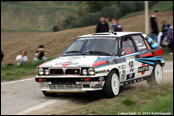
[111, 61]
[130, 57]
[67, 63]
[143, 69]
[102, 71]
[123, 75]
[130, 76]
[103, 38]
[131, 66]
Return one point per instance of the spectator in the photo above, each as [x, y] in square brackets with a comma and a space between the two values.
[107, 20]
[115, 26]
[170, 38]
[22, 57]
[102, 26]
[40, 54]
[154, 25]
[165, 28]
[2, 56]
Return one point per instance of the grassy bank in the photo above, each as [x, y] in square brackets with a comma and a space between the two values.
[14, 72]
[147, 101]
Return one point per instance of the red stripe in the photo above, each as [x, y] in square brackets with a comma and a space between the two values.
[158, 52]
[146, 54]
[99, 63]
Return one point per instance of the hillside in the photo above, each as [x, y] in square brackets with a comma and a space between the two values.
[41, 16]
[29, 16]
[56, 42]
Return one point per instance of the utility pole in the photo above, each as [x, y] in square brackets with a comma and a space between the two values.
[146, 17]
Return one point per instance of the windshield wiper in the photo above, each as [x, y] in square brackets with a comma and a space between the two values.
[73, 52]
[96, 52]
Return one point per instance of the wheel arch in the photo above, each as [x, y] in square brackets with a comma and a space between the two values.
[117, 72]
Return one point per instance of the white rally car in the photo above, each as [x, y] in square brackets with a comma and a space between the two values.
[103, 61]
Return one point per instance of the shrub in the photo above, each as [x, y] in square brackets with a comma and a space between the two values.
[55, 28]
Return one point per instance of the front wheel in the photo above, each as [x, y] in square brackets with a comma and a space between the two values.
[157, 76]
[112, 85]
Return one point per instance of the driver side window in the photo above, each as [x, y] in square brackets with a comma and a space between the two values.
[127, 46]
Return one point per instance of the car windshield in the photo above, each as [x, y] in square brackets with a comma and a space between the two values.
[105, 46]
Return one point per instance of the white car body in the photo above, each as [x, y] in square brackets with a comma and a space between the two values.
[129, 68]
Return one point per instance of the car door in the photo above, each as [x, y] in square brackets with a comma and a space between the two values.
[143, 69]
[128, 53]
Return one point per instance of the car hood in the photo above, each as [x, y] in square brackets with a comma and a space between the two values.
[72, 61]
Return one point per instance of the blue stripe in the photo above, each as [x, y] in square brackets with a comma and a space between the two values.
[101, 66]
[147, 62]
[154, 45]
[105, 58]
[149, 39]
[153, 58]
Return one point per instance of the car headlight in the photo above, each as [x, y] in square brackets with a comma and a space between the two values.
[46, 72]
[40, 71]
[84, 71]
[91, 71]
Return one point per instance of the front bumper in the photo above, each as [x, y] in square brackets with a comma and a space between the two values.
[59, 85]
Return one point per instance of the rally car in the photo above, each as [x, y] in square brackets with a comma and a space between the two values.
[103, 61]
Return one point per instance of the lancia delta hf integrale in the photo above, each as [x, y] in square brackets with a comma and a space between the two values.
[103, 61]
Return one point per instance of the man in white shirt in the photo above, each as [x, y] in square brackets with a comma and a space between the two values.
[21, 58]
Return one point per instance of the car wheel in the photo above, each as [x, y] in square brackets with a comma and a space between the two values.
[112, 85]
[157, 76]
[47, 94]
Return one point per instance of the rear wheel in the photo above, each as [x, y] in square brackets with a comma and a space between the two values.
[112, 85]
[157, 76]
[47, 94]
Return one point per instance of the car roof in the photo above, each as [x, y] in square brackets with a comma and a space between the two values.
[116, 34]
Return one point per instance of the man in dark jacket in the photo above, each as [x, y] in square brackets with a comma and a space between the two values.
[154, 25]
[102, 26]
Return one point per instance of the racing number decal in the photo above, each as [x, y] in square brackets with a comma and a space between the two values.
[131, 66]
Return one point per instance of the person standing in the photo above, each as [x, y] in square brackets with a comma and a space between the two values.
[170, 38]
[102, 26]
[22, 57]
[154, 25]
[115, 26]
[165, 27]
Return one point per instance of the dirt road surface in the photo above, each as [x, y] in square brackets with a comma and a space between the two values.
[25, 97]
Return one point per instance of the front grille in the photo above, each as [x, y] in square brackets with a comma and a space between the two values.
[72, 71]
[65, 87]
[56, 71]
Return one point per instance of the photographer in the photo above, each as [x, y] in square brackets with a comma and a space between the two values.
[40, 54]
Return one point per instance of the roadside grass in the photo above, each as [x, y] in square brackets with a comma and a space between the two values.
[148, 100]
[14, 72]
[167, 56]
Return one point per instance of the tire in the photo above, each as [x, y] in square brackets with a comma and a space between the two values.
[156, 77]
[47, 94]
[112, 85]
